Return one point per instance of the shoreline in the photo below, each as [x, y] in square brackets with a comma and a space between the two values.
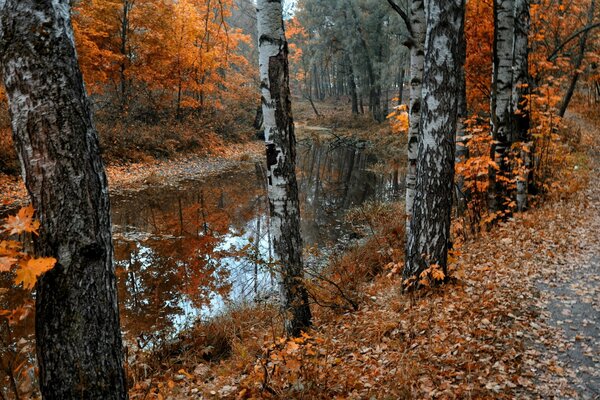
[136, 176]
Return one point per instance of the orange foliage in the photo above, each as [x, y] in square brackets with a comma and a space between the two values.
[479, 34]
[13, 259]
[178, 52]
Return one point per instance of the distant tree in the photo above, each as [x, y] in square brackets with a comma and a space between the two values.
[281, 163]
[578, 60]
[78, 338]
[430, 223]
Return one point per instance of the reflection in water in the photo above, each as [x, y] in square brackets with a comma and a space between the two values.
[184, 252]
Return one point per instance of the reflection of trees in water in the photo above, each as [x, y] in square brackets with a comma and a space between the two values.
[181, 250]
[333, 178]
[169, 250]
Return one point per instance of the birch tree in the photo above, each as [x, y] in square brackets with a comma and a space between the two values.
[280, 144]
[415, 25]
[432, 207]
[502, 83]
[417, 59]
[519, 94]
[78, 338]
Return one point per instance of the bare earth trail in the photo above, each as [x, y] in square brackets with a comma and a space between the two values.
[570, 289]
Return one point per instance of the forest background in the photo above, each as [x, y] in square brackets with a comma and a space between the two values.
[170, 77]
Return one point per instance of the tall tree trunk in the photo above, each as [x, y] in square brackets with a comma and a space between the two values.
[462, 151]
[502, 81]
[432, 208]
[417, 53]
[352, 85]
[124, 56]
[78, 339]
[578, 62]
[401, 73]
[281, 159]
[520, 96]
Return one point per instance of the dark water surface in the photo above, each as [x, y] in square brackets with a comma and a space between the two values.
[187, 251]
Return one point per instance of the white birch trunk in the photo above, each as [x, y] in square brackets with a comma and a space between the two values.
[432, 207]
[282, 187]
[519, 95]
[417, 58]
[502, 82]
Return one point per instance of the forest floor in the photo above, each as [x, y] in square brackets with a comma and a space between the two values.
[570, 288]
[520, 320]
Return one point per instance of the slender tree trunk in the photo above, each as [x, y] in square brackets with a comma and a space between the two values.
[352, 85]
[401, 73]
[462, 151]
[281, 159]
[78, 339]
[521, 78]
[123, 65]
[520, 96]
[502, 81]
[578, 62]
[417, 53]
[432, 207]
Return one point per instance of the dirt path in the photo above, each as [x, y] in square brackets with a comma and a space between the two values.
[570, 291]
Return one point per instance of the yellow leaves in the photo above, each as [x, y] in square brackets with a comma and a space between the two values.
[22, 222]
[28, 272]
[399, 119]
[431, 275]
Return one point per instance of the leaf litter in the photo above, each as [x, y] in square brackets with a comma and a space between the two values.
[519, 320]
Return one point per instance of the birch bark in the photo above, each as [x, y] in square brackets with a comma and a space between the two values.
[417, 57]
[78, 338]
[432, 207]
[502, 83]
[282, 186]
[519, 95]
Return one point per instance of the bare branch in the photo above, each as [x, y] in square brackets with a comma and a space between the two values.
[588, 28]
[403, 15]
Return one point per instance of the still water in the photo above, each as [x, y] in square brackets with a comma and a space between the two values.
[185, 252]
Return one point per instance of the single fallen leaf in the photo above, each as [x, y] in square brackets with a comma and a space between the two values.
[22, 222]
[27, 273]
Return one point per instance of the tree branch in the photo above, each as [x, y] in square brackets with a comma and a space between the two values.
[588, 28]
[403, 15]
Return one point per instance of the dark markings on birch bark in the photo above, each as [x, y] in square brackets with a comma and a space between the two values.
[430, 222]
[289, 244]
[78, 337]
[281, 158]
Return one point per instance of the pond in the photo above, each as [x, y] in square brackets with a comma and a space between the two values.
[186, 251]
